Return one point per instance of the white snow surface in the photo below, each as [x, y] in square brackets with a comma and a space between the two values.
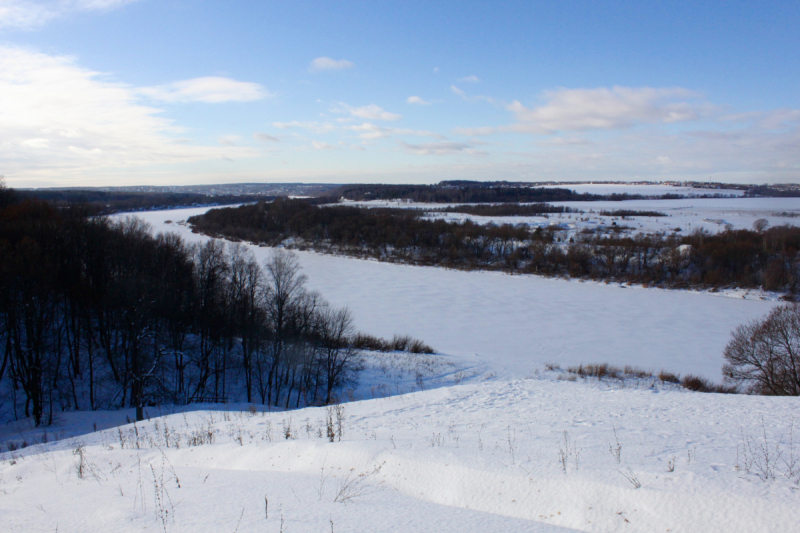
[484, 448]
[642, 189]
[512, 325]
[524, 455]
[683, 217]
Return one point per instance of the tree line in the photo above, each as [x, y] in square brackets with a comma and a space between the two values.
[487, 192]
[96, 314]
[105, 202]
[765, 258]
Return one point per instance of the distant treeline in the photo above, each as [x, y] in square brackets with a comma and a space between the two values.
[742, 258]
[775, 191]
[468, 194]
[632, 213]
[105, 203]
[486, 192]
[506, 209]
[97, 314]
[523, 210]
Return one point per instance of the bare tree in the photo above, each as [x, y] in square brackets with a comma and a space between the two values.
[285, 288]
[764, 355]
[339, 359]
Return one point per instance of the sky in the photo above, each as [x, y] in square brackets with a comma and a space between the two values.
[178, 92]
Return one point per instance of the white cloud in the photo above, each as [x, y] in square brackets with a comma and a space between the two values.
[457, 91]
[371, 132]
[28, 14]
[368, 112]
[437, 148]
[66, 121]
[469, 79]
[210, 89]
[265, 137]
[321, 145]
[35, 143]
[326, 63]
[607, 109]
[229, 140]
[316, 127]
[417, 100]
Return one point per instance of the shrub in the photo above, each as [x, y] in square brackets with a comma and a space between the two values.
[417, 346]
[362, 341]
[399, 343]
[669, 377]
[699, 384]
[764, 355]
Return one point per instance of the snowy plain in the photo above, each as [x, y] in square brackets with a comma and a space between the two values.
[643, 189]
[512, 325]
[495, 443]
[682, 217]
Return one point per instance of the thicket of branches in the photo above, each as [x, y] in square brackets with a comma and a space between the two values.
[97, 314]
[741, 258]
[764, 355]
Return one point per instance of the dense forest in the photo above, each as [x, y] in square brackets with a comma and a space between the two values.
[97, 314]
[740, 258]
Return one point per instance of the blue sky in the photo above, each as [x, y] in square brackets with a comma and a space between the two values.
[122, 92]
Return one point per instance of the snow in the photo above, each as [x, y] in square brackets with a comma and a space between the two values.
[488, 441]
[475, 457]
[641, 189]
[683, 216]
[512, 325]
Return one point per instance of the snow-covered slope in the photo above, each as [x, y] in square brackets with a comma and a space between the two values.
[526, 455]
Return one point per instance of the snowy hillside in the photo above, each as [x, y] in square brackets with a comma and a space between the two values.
[480, 437]
[525, 455]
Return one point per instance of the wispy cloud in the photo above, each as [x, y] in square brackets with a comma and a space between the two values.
[65, 120]
[440, 148]
[265, 137]
[229, 140]
[210, 89]
[326, 63]
[368, 112]
[606, 109]
[469, 79]
[29, 14]
[369, 131]
[457, 91]
[316, 127]
[417, 100]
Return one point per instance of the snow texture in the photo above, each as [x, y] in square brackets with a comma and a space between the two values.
[513, 325]
[526, 455]
[494, 442]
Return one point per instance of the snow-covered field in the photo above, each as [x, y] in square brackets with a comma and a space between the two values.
[641, 189]
[682, 216]
[489, 441]
[523, 455]
[513, 325]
